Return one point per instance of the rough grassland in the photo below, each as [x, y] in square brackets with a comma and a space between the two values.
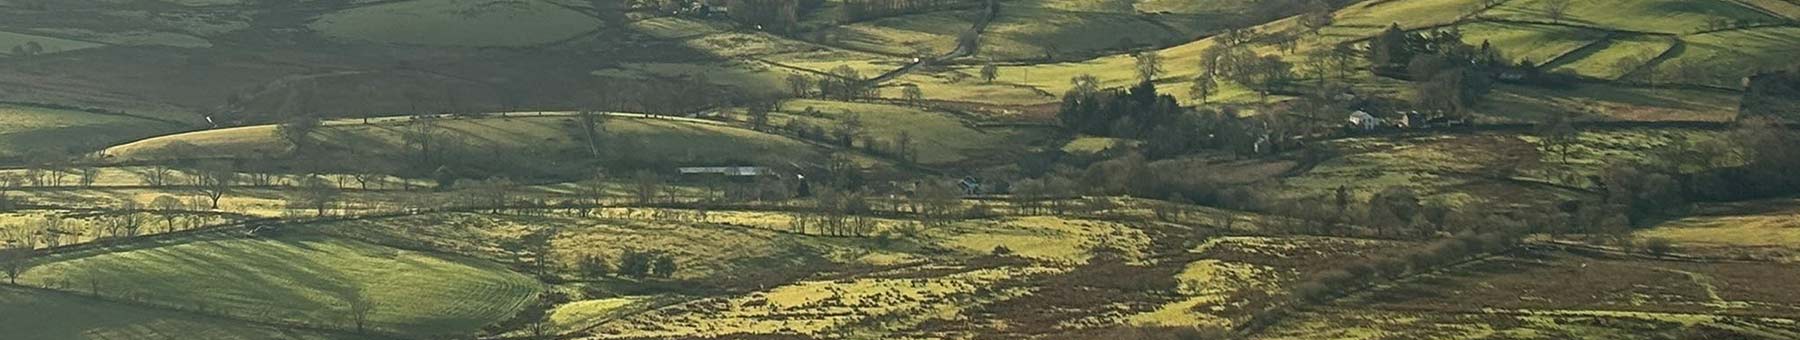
[457, 23]
[1734, 53]
[302, 278]
[27, 129]
[54, 316]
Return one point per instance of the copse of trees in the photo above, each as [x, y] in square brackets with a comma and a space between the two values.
[1131, 113]
[1449, 75]
[1772, 94]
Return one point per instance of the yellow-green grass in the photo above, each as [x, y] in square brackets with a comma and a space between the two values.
[1660, 16]
[1761, 224]
[28, 130]
[1094, 145]
[673, 27]
[1025, 32]
[867, 65]
[1048, 239]
[962, 85]
[1367, 18]
[1189, 6]
[1620, 57]
[306, 279]
[1534, 42]
[750, 77]
[1593, 151]
[752, 44]
[723, 246]
[1728, 56]
[938, 137]
[821, 308]
[50, 44]
[457, 23]
[934, 32]
[675, 141]
[40, 315]
[75, 227]
[1509, 103]
[1208, 282]
[578, 315]
[1785, 8]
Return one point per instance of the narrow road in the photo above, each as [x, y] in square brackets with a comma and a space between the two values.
[967, 44]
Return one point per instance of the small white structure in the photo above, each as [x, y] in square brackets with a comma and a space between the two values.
[732, 171]
[1363, 120]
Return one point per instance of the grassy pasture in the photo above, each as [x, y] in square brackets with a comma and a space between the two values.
[905, 35]
[56, 316]
[50, 44]
[1769, 228]
[1538, 43]
[1619, 57]
[26, 130]
[471, 23]
[1728, 56]
[939, 137]
[1670, 16]
[1603, 102]
[673, 141]
[1053, 240]
[301, 278]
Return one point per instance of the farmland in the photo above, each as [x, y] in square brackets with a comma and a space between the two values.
[899, 169]
[425, 294]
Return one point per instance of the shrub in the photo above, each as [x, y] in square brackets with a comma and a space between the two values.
[1659, 246]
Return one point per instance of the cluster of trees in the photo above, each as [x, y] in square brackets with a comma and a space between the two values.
[1132, 113]
[1449, 75]
[859, 10]
[30, 48]
[632, 263]
[1772, 94]
[842, 83]
[1236, 61]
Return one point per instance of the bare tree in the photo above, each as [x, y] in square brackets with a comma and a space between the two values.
[14, 257]
[1557, 10]
[1203, 87]
[213, 180]
[912, 94]
[318, 194]
[645, 186]
[989, 72]
[169, 207]
[1149, 65]
[361, 306]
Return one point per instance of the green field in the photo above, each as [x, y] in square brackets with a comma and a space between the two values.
[675, 141]
[1537, 43]
[457, 23]
[1757, 229]
[58, 316]
[25, 130]
[302, 278]
[51, 45]
[938, 137]
[1659, 16]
